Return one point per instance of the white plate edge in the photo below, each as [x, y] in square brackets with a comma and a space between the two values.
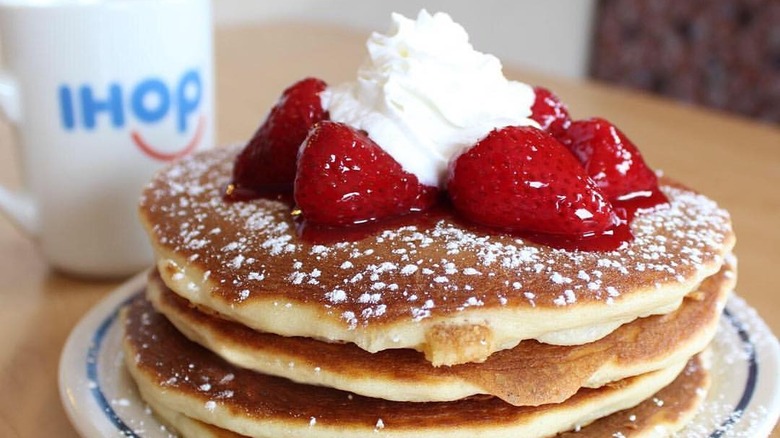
[73, 356]
[769, 352]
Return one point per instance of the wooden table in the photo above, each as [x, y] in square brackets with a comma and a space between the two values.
[735, 161]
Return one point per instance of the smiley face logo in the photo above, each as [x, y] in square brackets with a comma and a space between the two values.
[150, 102]
[155, 153]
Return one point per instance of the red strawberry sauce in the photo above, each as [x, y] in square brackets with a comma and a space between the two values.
[235, 193]
[626, 207]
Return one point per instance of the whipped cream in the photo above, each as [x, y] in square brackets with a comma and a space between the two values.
[424, 94]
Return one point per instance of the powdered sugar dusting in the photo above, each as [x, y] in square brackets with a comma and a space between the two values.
[731, 356]
[253, 247]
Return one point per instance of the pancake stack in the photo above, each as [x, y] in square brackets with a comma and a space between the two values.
[420, 327]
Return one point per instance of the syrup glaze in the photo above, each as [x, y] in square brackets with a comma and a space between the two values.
[613, 238]
[626, 207]
[233, 192]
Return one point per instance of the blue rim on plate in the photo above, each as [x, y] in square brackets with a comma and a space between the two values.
[750, 385]
[103, 319]
[92, 369]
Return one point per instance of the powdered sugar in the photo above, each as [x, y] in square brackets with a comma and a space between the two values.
[256, 249]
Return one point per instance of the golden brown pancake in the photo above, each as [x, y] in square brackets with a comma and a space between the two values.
[532, 373]
[666, 412]
[681, 399]
[456, 293]
[183, 377]
[186, 426]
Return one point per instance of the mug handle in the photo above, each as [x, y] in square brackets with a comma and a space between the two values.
[18, 206]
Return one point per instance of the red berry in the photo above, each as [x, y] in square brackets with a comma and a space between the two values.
[344, 178]
[522, 179]
[609, 157]
[549, 112]
[267, 163]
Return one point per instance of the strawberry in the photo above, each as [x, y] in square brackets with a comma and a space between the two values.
[549, 112]
[267, 163]
[609, 157]
[344, 178]
[522, 179]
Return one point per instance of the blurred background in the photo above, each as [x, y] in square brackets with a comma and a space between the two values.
[723, 54]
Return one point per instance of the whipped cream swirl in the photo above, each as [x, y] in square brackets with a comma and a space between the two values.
[424, 94]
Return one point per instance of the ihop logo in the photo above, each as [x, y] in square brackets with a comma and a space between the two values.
[149, 102]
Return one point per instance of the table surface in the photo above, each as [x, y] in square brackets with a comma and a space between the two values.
[733, 160]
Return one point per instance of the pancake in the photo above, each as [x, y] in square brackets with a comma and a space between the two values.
[529, 374]
[663, 414]
[681, 399]
[426, 282]
[186, 426]
[184, 377]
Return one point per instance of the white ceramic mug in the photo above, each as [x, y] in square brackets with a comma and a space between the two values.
[101, 94]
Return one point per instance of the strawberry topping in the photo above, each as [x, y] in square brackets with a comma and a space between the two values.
[609, 158]
[267, 163]
[572, 185]
[549, 112]
[522, 179]
[344, 178]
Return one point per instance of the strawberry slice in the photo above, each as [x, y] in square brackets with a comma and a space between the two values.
[522, 179]
[609, 158]
[267, 163]
[549, 112]
[344, 178]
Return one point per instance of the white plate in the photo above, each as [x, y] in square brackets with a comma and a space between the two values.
[101, 400]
